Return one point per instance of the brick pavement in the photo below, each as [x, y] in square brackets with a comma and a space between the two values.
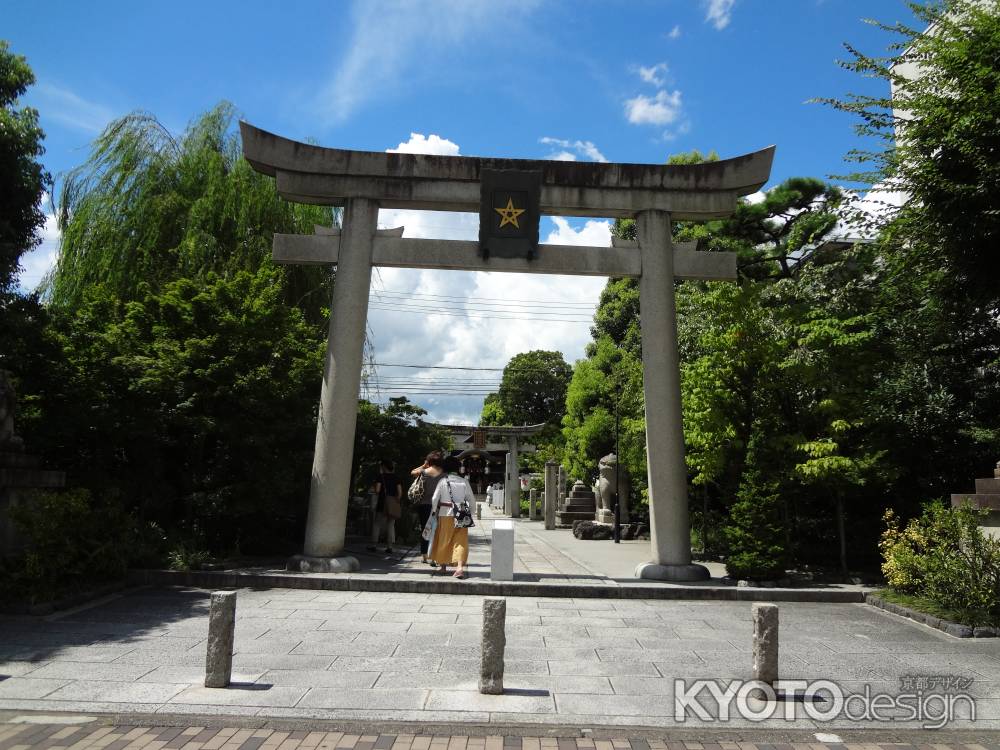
[35, 733]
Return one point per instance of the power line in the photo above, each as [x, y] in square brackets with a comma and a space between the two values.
[476, 308]
[478, 317]
[528, 302]
[445, 367]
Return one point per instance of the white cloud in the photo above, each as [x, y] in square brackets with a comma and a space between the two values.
[662, 109]
[421, 144]
[66, 107]
[654, 74]
[719, 12]
[675, 32]
[572, 149]
[683, 128]
[389, 39]
[37, 263]
[594, 233]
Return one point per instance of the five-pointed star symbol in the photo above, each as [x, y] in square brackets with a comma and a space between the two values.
[509, 214]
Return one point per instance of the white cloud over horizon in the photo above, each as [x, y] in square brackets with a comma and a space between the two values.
[573, 149]
[38, 262]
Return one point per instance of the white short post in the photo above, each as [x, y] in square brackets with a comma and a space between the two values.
[221, 632]
[330, 489]
[494, 641]
[669, 526]
[765, 642]
[502, 551]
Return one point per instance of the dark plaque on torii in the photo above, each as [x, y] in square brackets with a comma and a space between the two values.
[509, 213]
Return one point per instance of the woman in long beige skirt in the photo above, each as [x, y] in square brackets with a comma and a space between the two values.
[450, 545]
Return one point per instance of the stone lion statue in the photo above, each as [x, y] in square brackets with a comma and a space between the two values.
[606, 485]
[8, 409]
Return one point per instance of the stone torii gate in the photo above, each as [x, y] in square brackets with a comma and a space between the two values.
[510, 195]
[512, 485]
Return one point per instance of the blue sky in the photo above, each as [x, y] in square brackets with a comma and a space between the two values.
[622, 81]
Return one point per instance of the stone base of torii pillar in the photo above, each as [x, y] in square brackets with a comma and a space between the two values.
[310, 564]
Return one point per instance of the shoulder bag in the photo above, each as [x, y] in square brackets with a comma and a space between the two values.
[416, 491]
[461, 511]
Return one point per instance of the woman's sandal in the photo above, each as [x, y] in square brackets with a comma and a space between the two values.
[459, 576]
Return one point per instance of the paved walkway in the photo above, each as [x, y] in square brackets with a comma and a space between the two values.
[545, 557]
[35, 733]
[384, 657]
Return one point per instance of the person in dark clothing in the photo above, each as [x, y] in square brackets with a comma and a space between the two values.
[387, 508]
[432, 471]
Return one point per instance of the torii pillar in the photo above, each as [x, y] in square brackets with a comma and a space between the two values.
[363, 182]
[512, 488]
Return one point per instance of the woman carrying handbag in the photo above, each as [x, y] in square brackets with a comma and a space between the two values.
[450, 520]
[388, 507]
[421, 491]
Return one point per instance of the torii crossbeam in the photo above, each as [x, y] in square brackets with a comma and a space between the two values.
[510, 195]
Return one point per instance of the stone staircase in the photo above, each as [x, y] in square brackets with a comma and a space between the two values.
[986, 497]
[581, 505]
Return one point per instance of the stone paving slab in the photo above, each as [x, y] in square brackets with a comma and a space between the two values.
[546, 563]
[557, 674]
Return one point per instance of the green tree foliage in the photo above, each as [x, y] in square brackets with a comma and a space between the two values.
[755, 531]
[936, 137]
[22, 178]
[193, 404]
[393, 433]
[147, 207]
[532, 390]
[493, 413]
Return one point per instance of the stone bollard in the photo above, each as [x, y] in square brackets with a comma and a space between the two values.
[221, 626]
[765, 642]
[479, 511]
[551, 494]
[532, 503]
[493, 644]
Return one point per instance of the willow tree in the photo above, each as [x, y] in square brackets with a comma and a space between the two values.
[148, 207]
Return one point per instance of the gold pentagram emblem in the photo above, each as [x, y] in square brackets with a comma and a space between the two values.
[509, 214]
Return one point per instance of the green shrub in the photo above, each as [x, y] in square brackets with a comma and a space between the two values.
[186, 557]
[944, 556]
[754, 532]
[72, 540]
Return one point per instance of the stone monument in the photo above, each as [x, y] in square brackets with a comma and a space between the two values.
[20, 473]
[986, 497]
[580, 506]
[610, 471]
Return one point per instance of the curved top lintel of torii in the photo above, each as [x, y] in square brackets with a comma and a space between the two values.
[327, 176]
